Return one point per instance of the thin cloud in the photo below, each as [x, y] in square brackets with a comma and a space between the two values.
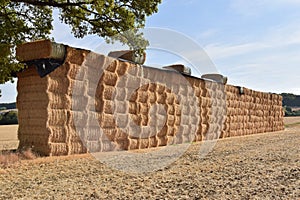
[257, 7]
[219, 51]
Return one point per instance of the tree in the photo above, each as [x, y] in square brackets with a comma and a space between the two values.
[10, 117]
[27, 20]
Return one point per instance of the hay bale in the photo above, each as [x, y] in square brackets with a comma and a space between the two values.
[128, 55]
[40, 49]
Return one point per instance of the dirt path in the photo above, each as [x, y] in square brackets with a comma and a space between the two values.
[264, 166]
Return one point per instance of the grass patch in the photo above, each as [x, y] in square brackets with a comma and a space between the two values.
[10, 158]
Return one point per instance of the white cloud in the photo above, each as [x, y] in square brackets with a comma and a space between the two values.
[257, 7]
[275, 38]
[270, 63]
[219, 51]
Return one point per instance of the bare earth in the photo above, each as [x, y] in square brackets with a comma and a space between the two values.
[263, 166]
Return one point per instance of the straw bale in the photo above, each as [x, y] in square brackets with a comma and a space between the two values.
[107, 121]
[171, 120]
[33, 140]
[163, 132]
[112, 67]
[151, 97]
[144, 120]
[78, 118]
[170, 140]
[205, 102]
[133, 108]
[144, 108]
[108, 92]
[76, 72]
[221, 107]
[80, 135]
[122, 144]
[187, 138]
[40, 49]
[42, 149]
[57, 85]
[142, 96]
[60, 72]
[133, 144]
[75, 88]
[57, 117]
[143, 143]
[58, 134]
[30, 77]
[162, 141]
[58, 149]
[152, 87]
[123, 120]
[76, 56]
[160, 89]
[132, 82]
[93, 146]
[120, 94]
[161, 98]
[133, 96]
[109, 107]
[109, 78]
[90, 134]
[115, 134]
[109, 134]
[108, 146]
[76, 148]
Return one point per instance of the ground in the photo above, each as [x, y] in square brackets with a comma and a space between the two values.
[263, 166]
[8, 137]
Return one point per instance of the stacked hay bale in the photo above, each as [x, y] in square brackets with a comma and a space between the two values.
[251, 112]
[140, 98]
[45, 107]
[95, 103]
[32, 103]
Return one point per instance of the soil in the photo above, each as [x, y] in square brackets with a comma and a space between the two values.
[262, 166]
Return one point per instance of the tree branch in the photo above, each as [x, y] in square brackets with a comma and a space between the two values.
[52, 3]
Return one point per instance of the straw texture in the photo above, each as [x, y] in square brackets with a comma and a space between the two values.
[116, 106]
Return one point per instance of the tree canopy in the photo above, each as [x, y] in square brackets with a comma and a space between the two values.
[27, 20]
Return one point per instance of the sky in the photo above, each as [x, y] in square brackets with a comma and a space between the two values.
[256, 43]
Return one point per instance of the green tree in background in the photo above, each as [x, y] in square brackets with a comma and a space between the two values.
[10, 117]
[28, 20]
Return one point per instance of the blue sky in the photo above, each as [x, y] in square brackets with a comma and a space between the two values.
[254, 43]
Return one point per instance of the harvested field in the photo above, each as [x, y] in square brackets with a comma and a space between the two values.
[8, 137]
[262, 166]
[290, 121]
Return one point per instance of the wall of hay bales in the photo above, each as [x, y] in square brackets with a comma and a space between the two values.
[56, 119]
[252, 112]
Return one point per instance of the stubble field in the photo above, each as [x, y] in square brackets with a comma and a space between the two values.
[263, 166]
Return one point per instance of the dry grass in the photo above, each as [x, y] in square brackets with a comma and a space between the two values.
[291, 120]
[9, 132]
[9, 158]
[8, 137]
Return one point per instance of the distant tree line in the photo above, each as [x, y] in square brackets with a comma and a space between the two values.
[290, 100]
[10, 117]
[290, 112]
[7, 106]
[7, 115]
